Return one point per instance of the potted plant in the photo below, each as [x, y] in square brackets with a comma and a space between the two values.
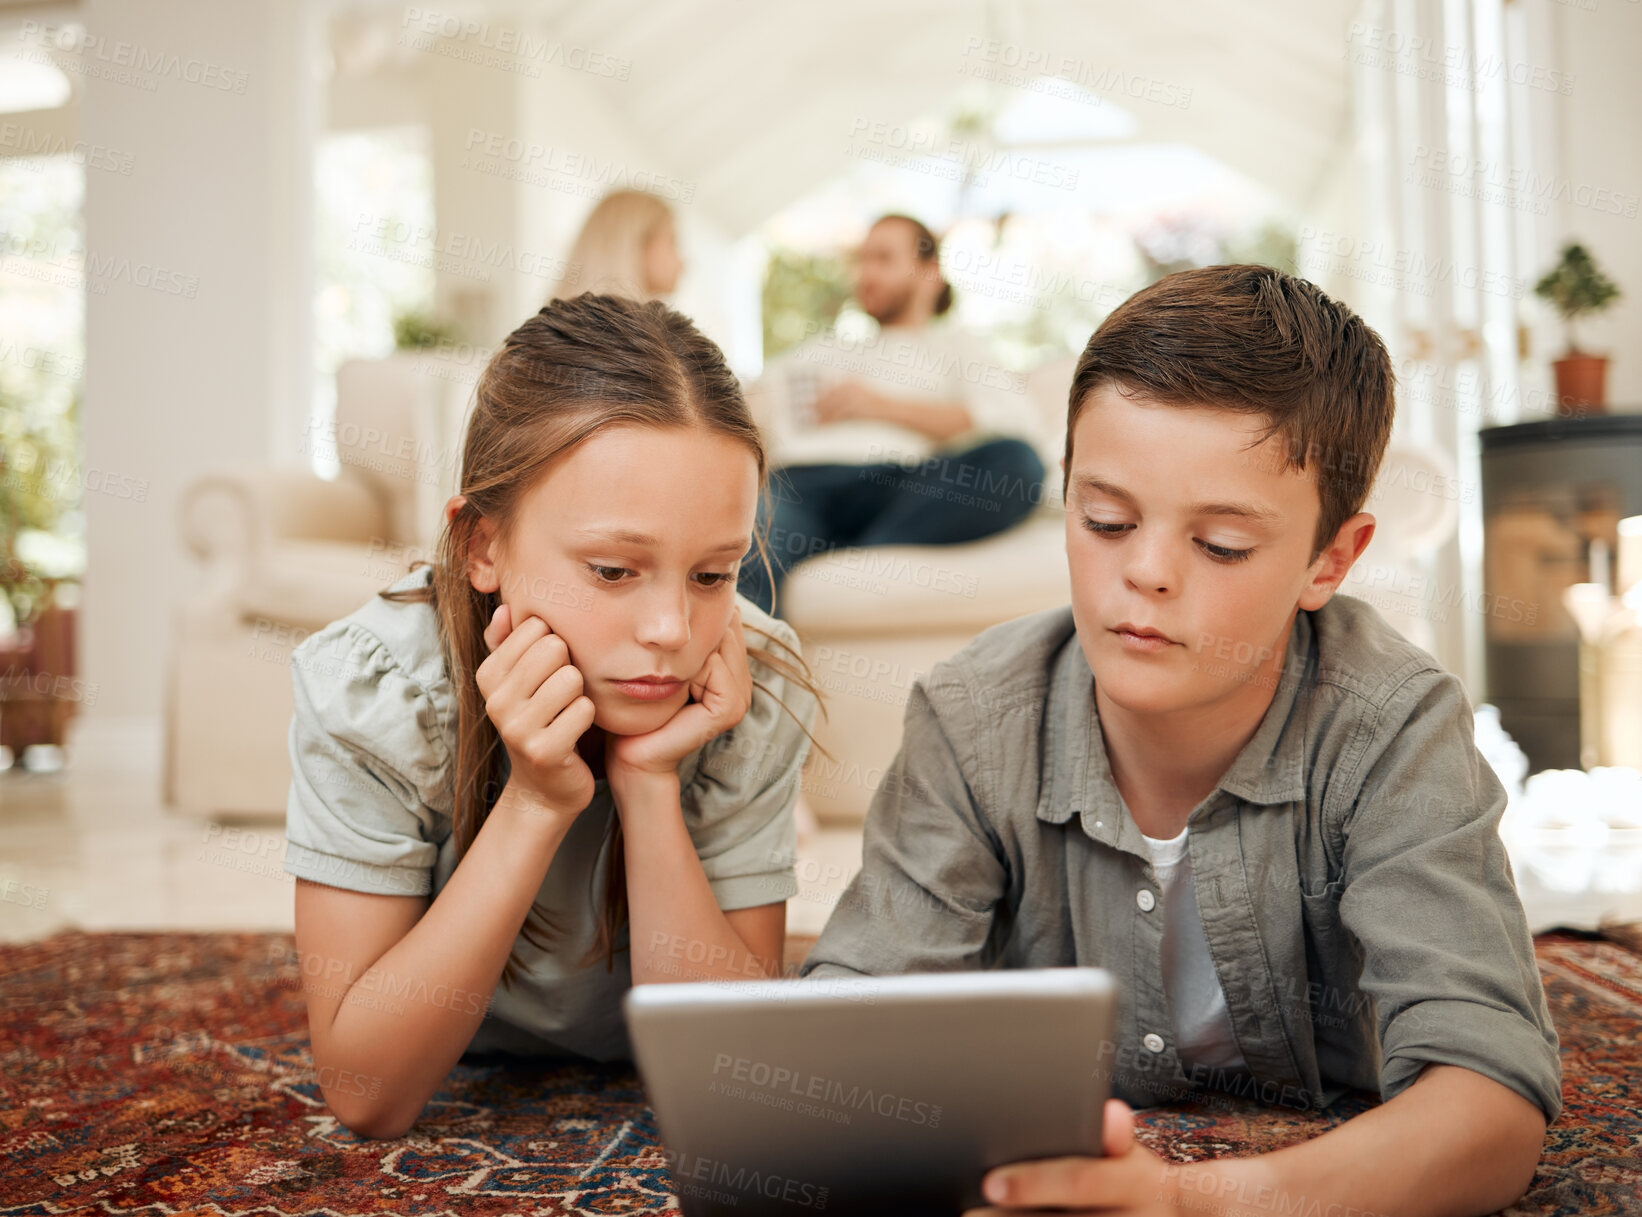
[1576, 288]
[416, 330]
[39, 487]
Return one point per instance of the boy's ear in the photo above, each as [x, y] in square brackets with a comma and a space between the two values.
[1332, 565]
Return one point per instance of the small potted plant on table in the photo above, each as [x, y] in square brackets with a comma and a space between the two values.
[1576, 288]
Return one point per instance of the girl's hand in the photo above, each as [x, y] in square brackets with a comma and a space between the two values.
[533, 693]
[1129, 1179]
[719, 696]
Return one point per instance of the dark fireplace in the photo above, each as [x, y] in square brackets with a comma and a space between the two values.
[1553, 493]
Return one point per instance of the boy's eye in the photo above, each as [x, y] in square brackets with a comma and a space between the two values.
[608, 574]
[1223, 554]
[1219, 553]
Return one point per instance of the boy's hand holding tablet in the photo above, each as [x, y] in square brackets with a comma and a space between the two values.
[1129, 1179]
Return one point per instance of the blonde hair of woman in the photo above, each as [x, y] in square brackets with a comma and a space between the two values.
[628, 246]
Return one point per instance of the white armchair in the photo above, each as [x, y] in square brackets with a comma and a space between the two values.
[285, 552]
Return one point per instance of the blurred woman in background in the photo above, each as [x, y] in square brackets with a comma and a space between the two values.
[628, 246]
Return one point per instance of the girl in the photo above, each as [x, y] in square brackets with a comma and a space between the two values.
[551, 756]
[628, 246]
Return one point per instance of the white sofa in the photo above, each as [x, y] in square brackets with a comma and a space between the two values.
[286, 551]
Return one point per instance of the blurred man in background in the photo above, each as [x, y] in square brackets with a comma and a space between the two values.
[915, 436]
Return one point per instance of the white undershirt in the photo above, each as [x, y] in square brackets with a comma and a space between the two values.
[1203, 1033]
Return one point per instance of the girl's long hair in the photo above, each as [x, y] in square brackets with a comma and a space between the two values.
[608, 253]
[577, 367]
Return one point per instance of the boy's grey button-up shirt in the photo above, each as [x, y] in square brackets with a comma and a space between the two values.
[1356, 897]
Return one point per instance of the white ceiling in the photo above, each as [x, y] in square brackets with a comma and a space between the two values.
[755, 101]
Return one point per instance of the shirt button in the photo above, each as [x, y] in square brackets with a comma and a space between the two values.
[1153, 1042]
[1145, 900]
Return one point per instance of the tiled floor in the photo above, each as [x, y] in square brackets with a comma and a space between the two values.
[98, 851]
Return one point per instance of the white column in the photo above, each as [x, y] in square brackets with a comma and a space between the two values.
[198, 307]
[476, 213]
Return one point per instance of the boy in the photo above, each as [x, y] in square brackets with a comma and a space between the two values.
[1250, 798]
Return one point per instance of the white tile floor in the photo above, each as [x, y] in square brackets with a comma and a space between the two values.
[98, 851]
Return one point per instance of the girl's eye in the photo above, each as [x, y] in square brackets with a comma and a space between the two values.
[1222, 554]
[714, 578]
[1104, 530]
[608, 574]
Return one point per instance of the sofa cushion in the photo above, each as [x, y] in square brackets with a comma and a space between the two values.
[312, 583]
[892, 589]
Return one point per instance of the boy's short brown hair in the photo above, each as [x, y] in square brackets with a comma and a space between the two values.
[1252, 338]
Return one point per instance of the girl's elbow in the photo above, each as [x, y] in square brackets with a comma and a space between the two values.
[374, 1120]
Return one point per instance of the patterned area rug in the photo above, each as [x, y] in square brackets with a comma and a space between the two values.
[170, 1074]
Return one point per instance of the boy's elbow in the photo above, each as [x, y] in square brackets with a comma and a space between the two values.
[1498, 1142]
[1520, 1144]
[1529, 1151]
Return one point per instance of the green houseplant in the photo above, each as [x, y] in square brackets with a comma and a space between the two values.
[416, 330]
[1576, 288]
[39, 489]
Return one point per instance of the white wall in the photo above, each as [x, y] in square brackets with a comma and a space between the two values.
[575, 113]
[522, 150]
[1593, 143]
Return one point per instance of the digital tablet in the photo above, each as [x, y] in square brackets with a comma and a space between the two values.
[870, 1094]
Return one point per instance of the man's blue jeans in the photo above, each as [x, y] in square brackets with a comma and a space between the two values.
[961, 496]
